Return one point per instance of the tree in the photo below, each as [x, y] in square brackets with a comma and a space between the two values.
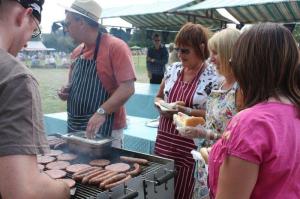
[120, 33]
[59, 41]
[296, 33]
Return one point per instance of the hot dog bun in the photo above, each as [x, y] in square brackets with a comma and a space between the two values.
[183, 120]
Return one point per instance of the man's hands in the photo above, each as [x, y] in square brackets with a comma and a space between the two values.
[63, 93]
[94, 124]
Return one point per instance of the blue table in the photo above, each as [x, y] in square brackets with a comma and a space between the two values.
[141, 104]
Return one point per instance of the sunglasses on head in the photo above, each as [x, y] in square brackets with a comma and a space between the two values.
[183, 51]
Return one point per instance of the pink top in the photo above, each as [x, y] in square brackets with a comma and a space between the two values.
[114, 66]
[267, 134]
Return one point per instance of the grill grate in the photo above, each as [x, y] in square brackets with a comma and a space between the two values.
[90, 192]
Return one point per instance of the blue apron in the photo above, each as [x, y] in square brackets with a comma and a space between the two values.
[86, 95]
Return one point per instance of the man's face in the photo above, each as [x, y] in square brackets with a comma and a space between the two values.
[71, 26]
[156, 41]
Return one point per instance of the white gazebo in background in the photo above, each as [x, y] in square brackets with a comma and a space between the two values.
[37, 46]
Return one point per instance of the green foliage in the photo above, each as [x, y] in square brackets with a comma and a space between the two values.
[120, 34]
[143, 38]
[296, 32]
[59, 41]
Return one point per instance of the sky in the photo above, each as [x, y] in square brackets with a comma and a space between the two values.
[53, 12]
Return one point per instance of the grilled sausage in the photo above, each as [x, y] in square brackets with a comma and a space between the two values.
[136, 171]
[108, 176]
[109, 186]
[97, 179]
[82, 171]
[134, 160]
[86, 178]
[88, 172]
[113, 179]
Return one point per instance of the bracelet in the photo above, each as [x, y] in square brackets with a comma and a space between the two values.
[188, 110]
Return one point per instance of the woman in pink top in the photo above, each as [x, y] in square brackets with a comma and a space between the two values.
[258, 155]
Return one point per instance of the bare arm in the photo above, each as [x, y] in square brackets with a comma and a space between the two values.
[119, 97]
[20, 178]
[237, 178]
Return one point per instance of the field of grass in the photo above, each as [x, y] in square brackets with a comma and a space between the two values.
[50, 80]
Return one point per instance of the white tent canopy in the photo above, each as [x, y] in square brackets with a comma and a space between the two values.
[37, 46]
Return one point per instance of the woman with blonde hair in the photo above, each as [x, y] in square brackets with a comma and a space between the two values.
[222, 104]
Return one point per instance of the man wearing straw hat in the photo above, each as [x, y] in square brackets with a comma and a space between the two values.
[22, 136]
[101, 78]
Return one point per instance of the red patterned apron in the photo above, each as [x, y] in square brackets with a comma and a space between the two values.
[171, 145]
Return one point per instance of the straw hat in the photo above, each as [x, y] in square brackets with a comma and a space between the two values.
[88, 8]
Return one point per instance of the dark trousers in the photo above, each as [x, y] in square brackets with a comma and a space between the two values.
[156, 79]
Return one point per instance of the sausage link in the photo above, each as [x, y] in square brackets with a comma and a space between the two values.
[112, 173]
[113, 179]
[137, 170]
[82, 174]
[134, 160]
[109, 186]
[86, 178]
[95, 180]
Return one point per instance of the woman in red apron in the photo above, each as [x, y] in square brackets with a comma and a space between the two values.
[190, 81]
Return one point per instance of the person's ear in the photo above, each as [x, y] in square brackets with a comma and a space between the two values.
[22, 15]
[202, 47]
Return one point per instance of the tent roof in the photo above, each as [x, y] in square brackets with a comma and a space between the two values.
[36, 46]
[163, 15]
[245, 11]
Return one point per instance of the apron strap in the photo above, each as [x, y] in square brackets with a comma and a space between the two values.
[98, 41]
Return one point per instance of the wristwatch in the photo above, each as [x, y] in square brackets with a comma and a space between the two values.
[101, 111]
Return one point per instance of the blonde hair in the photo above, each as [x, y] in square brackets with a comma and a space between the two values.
[222, 42]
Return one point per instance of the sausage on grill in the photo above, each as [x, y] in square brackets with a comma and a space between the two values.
[136, 171]
[78, 176]
[113, 179]
[86, 178]
[109, 186]
[97, 179]
[134, 160]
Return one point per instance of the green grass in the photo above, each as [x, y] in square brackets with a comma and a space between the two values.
[50, 80]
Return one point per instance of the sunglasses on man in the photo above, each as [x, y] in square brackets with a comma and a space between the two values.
[184, 51]
[37, 30]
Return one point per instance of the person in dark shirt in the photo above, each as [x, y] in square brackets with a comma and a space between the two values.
[157, 58]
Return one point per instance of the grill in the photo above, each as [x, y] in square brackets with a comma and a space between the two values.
[155, 181]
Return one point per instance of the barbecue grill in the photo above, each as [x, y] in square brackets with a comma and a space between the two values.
[156, 180]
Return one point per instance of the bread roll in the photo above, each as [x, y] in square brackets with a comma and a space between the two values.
[183, 120]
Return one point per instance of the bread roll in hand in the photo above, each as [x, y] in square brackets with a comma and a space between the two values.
[183, 120]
